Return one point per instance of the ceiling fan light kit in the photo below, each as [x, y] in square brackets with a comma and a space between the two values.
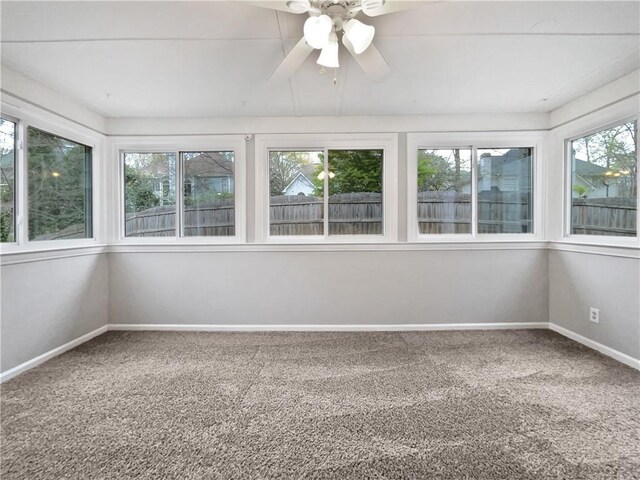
[329, 54]
[299, 6]
[370, 6]
[327, 18]
[359, 34]
[317, 31]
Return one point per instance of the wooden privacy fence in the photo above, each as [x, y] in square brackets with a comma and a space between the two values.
[361, 214]
[349, 214]
[216, 218]
[604, 216]
[450, 212]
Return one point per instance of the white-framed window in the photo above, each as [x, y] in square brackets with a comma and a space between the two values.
[60, 187]
[326, 188]
[474, 187]
[601, 184]
[55, 182]
[181, 189]
[8, 165]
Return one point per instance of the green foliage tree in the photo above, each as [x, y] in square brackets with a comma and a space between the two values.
[615, 150]
[139, 193]
[142, 172]
[284, 166]
[59, 173]
[7, 161]
[351, 171]
[437, 173]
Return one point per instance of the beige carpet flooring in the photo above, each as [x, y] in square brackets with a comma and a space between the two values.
[429, 405]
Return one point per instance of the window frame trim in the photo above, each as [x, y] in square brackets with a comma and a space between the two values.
[387, 142]
[177, 144]
[567, 184]
[17, 151]
[476, 141]
[64, 129]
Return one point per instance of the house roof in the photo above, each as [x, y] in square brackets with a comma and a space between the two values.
[209, 164]
[584, 168]
[304, 178]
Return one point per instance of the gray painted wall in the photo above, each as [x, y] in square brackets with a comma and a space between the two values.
[356, 287]
[578, 281]
[48, 303]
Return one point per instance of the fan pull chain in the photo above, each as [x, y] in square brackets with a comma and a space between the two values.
[335, 76]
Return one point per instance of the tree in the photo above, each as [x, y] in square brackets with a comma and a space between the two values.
[284, 166]
[139, 194]
[142, 173]
[615, 150]
[59, 173]
[436, 173]
[7, 161]
[351, 171]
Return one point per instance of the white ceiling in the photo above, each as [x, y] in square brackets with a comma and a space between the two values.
[213, 59]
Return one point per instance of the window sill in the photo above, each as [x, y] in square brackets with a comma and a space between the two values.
[626, 249]
[13, 254]
[324, 247]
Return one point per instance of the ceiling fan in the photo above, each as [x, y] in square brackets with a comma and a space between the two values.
[327, 19]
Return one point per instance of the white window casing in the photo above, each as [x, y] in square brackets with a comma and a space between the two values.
[476, 141]
[325, 142]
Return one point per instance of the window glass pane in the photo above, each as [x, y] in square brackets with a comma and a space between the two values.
[150, 194]
[209, 200]
[296, 190]
[505, 190]
[59, 178]
[444, 190]
[604, 182]
[355, 192]
[7, 180]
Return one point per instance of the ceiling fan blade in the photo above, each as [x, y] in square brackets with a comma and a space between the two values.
[292, 61]
[272, 5]
[371, 61]
[391, 6]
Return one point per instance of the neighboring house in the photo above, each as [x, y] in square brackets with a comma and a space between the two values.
[591, 180]
[510, 172]
[300, 185]
[208, 175]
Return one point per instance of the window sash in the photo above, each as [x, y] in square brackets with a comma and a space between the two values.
[474, 141]
[177, 146]
[87, 193]
[307, 142]
[568, 188]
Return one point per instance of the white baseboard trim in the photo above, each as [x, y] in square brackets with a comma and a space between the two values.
[608, 351]
[326, 328]
[34, 362]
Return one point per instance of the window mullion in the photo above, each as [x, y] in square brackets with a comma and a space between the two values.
[326, 194]
[21, 184]
[474, 192]
[179, 194]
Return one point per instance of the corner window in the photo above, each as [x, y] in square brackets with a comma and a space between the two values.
[604, 182]
[59, 187]
[7, 181]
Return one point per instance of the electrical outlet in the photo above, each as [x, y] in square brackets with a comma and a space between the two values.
[594, 315]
